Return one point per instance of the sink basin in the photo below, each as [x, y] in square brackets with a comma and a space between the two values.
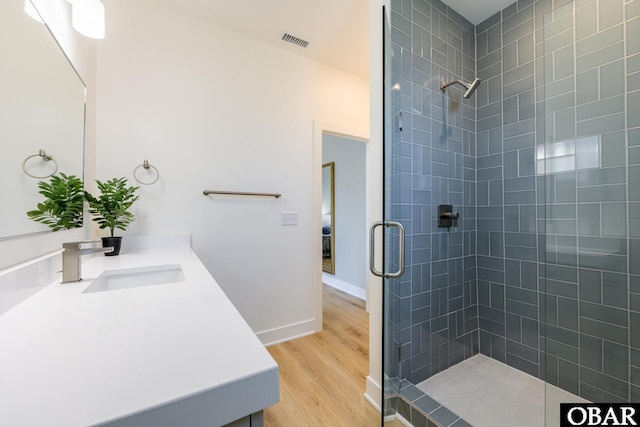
[125, 278]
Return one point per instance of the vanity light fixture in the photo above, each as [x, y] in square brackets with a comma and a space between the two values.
[87, 18]
[30, 10]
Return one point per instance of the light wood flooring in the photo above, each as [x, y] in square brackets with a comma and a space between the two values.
[322, 376]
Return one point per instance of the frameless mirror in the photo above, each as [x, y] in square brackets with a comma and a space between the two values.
[328, 222]
[42, 113]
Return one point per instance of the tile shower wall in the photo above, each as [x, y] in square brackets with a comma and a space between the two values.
[544, 208]
[506, 180]
[434, 305]
[589, 101]
[555, 190]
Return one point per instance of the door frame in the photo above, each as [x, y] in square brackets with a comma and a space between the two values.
[320, 128]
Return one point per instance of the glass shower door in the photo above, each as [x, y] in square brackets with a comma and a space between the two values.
[589, 266]
[392, 230]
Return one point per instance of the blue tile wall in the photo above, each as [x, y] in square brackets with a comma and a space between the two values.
[510, 315]
[543, 271]
[440, 327]
[585, 266]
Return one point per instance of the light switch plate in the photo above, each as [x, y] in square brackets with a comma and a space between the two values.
[289, 218]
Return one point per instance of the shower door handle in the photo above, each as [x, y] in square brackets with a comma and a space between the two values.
[372, 267]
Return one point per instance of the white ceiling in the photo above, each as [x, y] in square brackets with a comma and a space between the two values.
[338, 30]
[477, 11]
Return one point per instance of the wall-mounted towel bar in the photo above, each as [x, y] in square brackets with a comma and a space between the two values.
[241, 193]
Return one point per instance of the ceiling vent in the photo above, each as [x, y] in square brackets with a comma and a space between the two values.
[295, 40]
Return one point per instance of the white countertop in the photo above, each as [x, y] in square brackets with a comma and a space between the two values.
[74, 359]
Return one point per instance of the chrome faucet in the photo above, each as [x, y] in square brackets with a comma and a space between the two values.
[71, 271]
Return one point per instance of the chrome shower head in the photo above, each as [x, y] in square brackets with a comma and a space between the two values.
[471, 87]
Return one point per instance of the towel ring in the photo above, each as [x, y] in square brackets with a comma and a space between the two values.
[46, 157]
[146, 165]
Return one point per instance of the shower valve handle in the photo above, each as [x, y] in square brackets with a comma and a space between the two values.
[450, 215]
[447, 217]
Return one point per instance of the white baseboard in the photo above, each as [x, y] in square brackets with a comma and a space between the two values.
[287, 333]
[343, 286]
[373, 393]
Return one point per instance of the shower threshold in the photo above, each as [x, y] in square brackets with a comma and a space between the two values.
[488, 393]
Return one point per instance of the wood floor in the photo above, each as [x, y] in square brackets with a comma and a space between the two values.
[322, 376]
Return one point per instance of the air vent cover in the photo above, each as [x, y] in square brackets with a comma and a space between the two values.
[295, 40]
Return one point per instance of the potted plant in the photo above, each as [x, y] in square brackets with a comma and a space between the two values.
[62, 207]
[111, 209]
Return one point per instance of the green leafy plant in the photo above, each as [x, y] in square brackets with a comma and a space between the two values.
[63, 205]
[111, 208]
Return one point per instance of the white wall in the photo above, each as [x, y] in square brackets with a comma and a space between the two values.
[212, 109]
[82, 53]
[349, 156]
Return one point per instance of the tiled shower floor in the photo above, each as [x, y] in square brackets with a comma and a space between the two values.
[487, 393]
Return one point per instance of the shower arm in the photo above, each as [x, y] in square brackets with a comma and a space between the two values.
[444, 85]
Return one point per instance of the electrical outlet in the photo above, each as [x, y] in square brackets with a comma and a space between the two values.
[289, 218]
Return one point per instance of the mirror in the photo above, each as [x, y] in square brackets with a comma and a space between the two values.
[328, 223]
[42, 107]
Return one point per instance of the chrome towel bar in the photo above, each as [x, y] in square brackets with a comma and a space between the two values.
[241, 193]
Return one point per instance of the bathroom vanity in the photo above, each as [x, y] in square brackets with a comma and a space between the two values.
[174, 351]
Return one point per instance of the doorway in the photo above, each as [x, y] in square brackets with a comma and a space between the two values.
[344, 214]
[339, 137]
